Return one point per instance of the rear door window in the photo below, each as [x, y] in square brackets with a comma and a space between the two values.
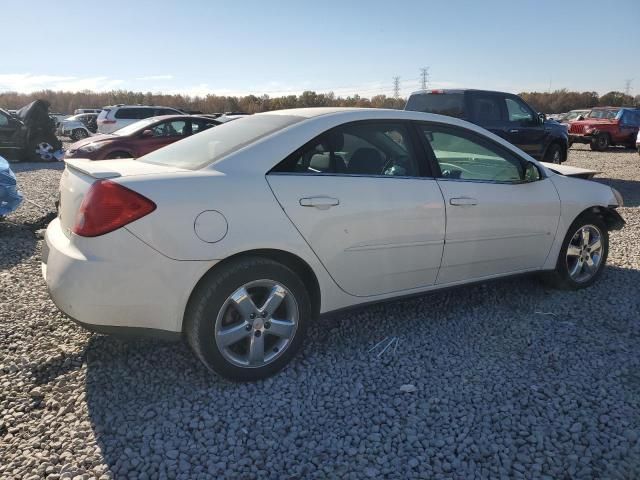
[359, 148]
[451, 104]
[133, 113]
[487, 108]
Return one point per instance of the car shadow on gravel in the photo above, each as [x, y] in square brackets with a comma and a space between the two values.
[31, 166]
[155, 409]
[630, 189]
[17, 243]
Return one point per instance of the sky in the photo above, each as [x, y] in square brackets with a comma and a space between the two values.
[281, 47]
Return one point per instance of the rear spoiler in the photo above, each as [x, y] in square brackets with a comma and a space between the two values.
[91, 168]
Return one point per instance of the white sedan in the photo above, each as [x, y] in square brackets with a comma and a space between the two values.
[240, 237]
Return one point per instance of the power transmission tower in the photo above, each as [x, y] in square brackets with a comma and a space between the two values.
[627, 86]
[396, 87]
[424, 76]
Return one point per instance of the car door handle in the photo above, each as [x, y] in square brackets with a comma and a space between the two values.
[463, 201]
[321, 203]
[514, 130]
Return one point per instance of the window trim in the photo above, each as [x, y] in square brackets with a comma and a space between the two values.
[425, 170]
[476, 138]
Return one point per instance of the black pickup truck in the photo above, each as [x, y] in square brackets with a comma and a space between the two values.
[504, 114]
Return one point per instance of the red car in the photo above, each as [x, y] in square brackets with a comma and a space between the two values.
[606, 126]
[140, 138]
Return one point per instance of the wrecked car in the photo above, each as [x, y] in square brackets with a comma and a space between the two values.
[10, 197]
[30, 135]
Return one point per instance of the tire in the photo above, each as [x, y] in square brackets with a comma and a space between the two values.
[562, 276]
[219, 305]
[114, 155]
[79, 134]
[553, 154]
[40, 151]
[600, 143]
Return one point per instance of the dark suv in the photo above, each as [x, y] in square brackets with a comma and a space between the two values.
[504, 114]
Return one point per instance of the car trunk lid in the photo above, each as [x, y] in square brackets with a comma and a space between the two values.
[80, 174]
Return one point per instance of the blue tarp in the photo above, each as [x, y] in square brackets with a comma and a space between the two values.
[10, 197]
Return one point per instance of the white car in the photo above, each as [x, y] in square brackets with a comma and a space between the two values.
[114, 117]
[638, 142]
[77, 126]
[239, 237]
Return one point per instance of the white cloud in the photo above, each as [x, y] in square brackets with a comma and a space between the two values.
[27, 83]
[155, 77]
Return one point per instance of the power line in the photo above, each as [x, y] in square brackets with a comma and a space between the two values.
[396, 87]
[424, 77]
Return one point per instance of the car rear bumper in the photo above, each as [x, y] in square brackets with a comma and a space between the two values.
[117, 283]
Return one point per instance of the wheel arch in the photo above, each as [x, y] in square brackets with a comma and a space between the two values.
[609, 215]
[292, 261]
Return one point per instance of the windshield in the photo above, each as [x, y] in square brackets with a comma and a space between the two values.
[134, 127]
[207, 147]
[603, 114]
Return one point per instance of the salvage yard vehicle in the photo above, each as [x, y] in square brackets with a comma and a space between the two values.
[605, 127]
[114, 117]
[79, 126]
[504, 114]
[574, 115]
[79, 111]
[30, 135]
[140, 138]
[241, 236]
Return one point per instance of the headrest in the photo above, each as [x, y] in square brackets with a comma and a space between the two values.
[332, 141]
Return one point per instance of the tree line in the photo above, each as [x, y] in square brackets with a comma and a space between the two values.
[66, 102]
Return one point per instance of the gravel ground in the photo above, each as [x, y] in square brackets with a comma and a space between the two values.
[503, 380]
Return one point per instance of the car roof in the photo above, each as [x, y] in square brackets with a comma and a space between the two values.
[457, 90]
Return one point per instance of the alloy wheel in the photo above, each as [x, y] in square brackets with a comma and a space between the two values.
[584, 253]
[44, 150]
[256, 323]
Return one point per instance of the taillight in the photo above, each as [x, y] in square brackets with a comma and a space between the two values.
[106, 121]
[437, 91]
[108, 206]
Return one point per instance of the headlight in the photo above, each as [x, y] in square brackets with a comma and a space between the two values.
[90, 147]
[618, 196]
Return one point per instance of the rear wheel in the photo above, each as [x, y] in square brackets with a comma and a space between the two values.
[79, 134]
[583, 254]
[246, 320]
[601, 142]
[553, 154]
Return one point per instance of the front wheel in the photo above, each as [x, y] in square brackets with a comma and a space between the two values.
[79, 134]
[553, 154]
[600, 143]
[247, 319]
[583, 254]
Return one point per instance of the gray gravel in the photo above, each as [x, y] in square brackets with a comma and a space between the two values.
[504, 380]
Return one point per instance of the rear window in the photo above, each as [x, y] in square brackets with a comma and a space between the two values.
[134, 113]
[200, 150]
[451, 104]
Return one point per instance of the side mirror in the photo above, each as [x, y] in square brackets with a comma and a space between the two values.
[147, 133]
[541, 118]
[531, 173]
